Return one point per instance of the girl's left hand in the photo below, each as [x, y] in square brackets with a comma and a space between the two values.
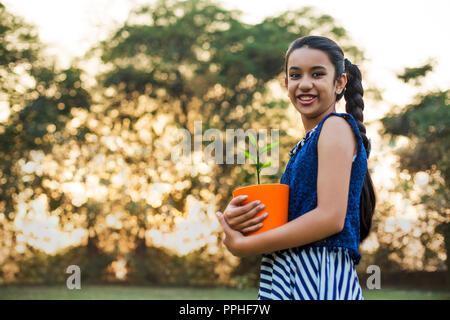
[233, 240]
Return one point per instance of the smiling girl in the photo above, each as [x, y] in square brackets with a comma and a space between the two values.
[332, 199]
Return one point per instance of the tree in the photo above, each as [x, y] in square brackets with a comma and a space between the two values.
[41, 100]
[426, 123]
[109, 146]
[177, 62]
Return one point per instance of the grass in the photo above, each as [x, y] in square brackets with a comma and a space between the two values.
[120, 292]
[403, 294]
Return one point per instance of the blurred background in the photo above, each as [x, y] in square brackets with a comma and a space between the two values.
[92, 92]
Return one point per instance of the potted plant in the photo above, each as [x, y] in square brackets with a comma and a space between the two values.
[275, 196]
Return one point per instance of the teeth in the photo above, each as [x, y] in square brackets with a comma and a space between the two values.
[306, 98]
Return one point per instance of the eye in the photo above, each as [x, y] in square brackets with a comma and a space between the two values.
[315, 74]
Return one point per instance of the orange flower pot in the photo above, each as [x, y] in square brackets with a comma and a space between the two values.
[276, 199]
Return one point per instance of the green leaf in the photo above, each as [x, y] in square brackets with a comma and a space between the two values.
[266, 164]
[252, 139]
[270, 147]
[248, 155]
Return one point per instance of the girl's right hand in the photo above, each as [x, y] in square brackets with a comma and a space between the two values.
[242, 217]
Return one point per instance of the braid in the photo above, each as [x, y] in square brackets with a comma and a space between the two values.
[354, 100]
[355, 106]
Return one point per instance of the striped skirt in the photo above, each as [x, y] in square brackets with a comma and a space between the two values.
[311, 273]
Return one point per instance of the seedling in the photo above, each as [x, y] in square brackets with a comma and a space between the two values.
[259, 166]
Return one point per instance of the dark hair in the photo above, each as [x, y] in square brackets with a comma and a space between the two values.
[354, 105]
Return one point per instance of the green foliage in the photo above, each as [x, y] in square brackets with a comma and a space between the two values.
[19, 45]
[159, 267]
[415, 74]
[39, 113]
[259, 165]
[426, 124]
[41, 268]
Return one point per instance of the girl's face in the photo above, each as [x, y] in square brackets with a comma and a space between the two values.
[310, 73]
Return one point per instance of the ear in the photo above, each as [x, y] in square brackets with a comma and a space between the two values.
[341, 83]
[285, 82]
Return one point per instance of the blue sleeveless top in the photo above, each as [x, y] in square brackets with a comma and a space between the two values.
[301, 176]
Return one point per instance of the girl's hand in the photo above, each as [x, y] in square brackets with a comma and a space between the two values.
[241, 217]
[233, 240]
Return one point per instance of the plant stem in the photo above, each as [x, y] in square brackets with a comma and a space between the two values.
[257, 160]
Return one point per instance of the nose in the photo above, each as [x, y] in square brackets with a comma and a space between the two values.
[305, 83]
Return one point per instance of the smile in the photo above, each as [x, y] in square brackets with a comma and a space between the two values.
[306, 101]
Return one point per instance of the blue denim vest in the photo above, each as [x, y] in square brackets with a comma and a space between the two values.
[301, 176]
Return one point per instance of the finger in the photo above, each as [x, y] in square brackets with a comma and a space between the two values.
[223, 223]
[250, 214]
[238, 211]
[239, 199]
[252, 228]
[252, 222]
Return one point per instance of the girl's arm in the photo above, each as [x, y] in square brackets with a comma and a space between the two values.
[336, 147]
